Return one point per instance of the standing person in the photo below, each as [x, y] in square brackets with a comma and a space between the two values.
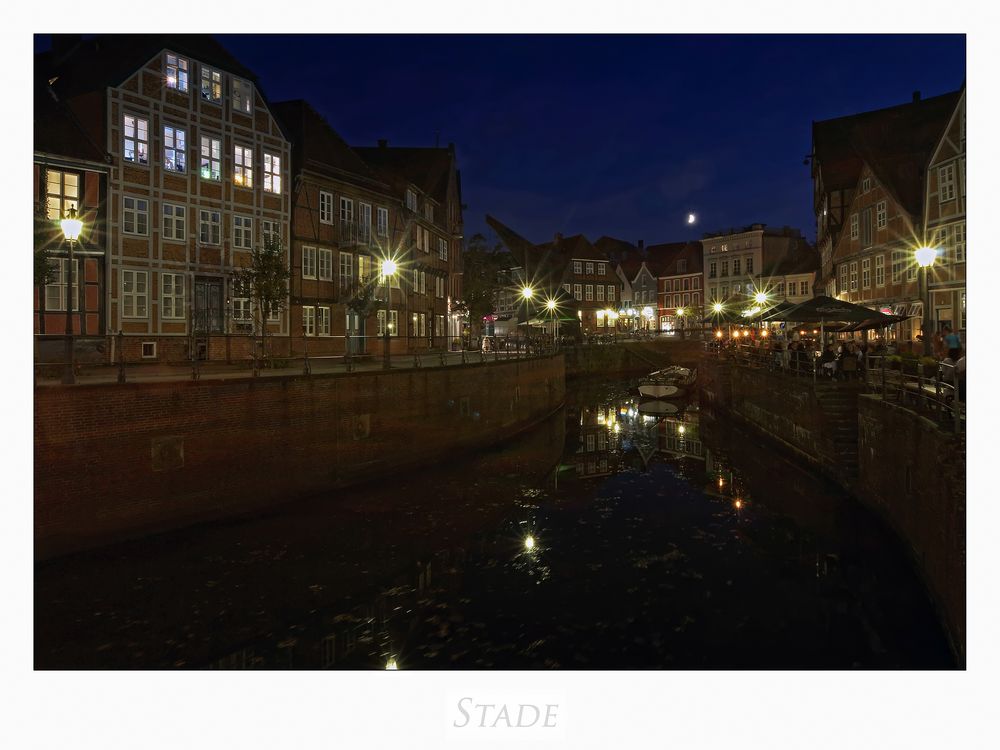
[953, 343]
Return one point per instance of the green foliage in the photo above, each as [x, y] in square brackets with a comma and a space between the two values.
[45, 271]
[264, 279]
[481, 283]
[364, 302]
[928, 361]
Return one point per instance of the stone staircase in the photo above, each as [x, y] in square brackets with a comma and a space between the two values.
[839, 404]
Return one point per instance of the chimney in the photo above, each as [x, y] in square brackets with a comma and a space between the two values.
[382, 143]
[916, 97]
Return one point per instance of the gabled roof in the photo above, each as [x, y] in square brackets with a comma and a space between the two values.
[427, 168]
[109, 59]
[57, 131]
[801, 259]
[315, 144]
[892, 140]
[663, 257]
[615, 249]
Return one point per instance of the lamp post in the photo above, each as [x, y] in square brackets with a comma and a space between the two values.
[925, 259]
[71, 228]
[388, 269]
[551, 305]
[680, 314]
[526, 294]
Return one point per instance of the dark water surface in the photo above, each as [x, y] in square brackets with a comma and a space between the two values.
[607, 537]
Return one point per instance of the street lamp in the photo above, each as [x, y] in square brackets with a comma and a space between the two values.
[71, 229]
[551, 305]
[925, 257]
[388, 269]
[680, 314]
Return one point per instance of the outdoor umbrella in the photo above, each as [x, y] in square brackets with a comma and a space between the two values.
[827, 309]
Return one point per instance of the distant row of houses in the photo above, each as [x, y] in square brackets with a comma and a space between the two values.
[885, 183]
[179, 166]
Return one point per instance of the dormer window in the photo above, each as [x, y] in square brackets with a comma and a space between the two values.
[866, 185]
[242, 96]
[211, 85]
[411, 200]
[177, 73]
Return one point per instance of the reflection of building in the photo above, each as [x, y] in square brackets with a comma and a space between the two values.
[680, 437]
[597, 453]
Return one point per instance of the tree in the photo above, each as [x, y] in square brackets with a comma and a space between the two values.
[481, 282]
[264, 279]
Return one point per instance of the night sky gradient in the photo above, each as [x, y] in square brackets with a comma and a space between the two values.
[617, 135]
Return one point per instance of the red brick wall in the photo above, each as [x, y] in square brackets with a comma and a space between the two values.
[118, 460]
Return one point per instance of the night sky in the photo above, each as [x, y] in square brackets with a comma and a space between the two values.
[617, 135]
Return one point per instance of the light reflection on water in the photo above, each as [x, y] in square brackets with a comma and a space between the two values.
[619, 534]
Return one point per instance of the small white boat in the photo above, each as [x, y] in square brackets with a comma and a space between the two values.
[671, 382]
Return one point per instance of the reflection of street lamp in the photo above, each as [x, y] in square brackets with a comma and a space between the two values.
[925, 259]
[388, 269]
[71, 228]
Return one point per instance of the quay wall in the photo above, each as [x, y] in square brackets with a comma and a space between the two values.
[630, 356]
[913, 474]
[115, 461]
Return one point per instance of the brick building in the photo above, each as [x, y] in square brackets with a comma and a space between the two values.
[944, 222]
[869, 190]
[71, 171]
[680, 284]
[198, 174]
[345, 220]
[428, 188]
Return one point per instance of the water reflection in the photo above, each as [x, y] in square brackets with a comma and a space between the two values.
[621, 533]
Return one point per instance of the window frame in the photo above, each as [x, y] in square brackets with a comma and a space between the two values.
[214, 78]
[881, 215]
[242, 168]
[309, 262]
[242, 230]
[946, 178]
[321, 253]
[174, 221]
[135, 295]
[136, 140]
[325, 202]
[136, 214]
[180, 151]
[247, 95]
[181, 74]
[176, 300]
[272, 173]
[213, 160]
[62, 195]
[60, 283]
[211, 223]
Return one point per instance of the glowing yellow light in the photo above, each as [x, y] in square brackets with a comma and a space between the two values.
[680, 429]
[925, 256]
[527, 292]
[746, 333]
[760, 298]
[391, 663]
[680, 311]
[717, 307]
[738, 503]
[71, 226]
[551, 304]
[388, 267]
[764, 333]
[617, 427]
[529, 542]
[718, 334]
[720, 483]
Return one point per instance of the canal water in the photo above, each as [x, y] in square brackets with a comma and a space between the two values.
[614, 535]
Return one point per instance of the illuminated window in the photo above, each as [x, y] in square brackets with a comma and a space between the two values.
[174, 149]
[174, 221]
[242, 96]
[177, 73]
[62, 192]
[172, 296]
[442, 248]
[243, 166]
[210, 227]
[211, 158]
[854, 276]
[323, 321]
[211, 84]
[135, 294]
[135, 132]
[242, 232]
[309, 321]
[393, 322]
[272, 173]
[135, 216]
[308, 262]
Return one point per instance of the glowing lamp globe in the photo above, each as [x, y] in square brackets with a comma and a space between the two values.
[760, 298]
[551, 304]
[388, 267]
[71, 226]
[925, 256]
